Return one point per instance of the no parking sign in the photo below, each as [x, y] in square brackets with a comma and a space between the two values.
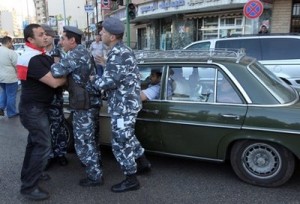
[253, 9]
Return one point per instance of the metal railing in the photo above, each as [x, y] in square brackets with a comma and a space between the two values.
[144, 55]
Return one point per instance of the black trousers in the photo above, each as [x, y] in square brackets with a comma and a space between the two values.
[34, 118]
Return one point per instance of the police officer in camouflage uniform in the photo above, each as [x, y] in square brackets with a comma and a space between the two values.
[77, 65]
[56, 115]
[121, 80]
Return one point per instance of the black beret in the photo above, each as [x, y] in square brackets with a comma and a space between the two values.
[49, 31]
[73, 29]
[113, 26]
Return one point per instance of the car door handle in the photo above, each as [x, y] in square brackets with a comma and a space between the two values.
[236, 117]
[150, 111]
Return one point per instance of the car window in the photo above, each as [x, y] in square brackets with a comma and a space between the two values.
[251, 46]
[277, 90]
[146, 82]
[280, 48]
[225, 91]
[200, 45]
[191, 83]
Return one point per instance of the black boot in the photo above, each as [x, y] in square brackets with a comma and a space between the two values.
[50, 163]
[87, 182]
[129, 184]
[143, 165]
[62, 160]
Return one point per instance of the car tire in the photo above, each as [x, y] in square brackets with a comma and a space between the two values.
[68, 131]
[70, 140]
[262, 163]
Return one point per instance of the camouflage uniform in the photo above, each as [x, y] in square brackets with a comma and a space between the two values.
[77, 62]
[56, 118]
[121, 80]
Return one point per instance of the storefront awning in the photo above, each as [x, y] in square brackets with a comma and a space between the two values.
[214, 14]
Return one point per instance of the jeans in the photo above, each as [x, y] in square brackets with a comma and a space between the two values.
[34, 118]
[8, 98]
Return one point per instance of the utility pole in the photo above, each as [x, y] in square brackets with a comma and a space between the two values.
[128, 23]
[87, 23]
[27, 11]
[64, 6]
[97, 13]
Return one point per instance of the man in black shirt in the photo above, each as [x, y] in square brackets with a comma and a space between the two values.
[38, 87]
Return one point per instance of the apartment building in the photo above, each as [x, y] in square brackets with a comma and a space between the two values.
[41, 11]
[8, 23]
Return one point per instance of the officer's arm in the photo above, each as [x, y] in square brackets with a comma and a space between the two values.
[62, 68]
[110, 78]
[51, 81]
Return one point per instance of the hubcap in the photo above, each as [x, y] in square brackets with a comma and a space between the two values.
[261, 160]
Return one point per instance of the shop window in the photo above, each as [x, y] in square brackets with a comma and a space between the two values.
[166, 37]
[209, 22]
[227, 22]
[142, 39]
[220, 27]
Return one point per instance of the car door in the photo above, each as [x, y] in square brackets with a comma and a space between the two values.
[192, 122]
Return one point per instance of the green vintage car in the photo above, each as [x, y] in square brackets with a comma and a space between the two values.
[219, 105]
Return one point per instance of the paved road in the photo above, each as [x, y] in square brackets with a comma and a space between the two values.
[172, 180]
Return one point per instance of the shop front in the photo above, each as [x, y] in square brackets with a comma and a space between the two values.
[173, 24]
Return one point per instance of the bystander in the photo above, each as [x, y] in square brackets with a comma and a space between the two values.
[8, 78]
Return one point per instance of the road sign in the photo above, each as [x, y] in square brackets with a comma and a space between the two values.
[88, 8]
[253, 9]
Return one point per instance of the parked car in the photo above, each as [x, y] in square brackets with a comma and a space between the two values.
[279, 53]
[219, 106]
[19, 48]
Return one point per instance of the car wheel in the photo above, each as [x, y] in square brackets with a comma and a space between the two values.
[262, 163]
[68, 131]
[70, 138]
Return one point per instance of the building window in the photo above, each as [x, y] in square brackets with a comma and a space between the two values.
[295, 19]
[220, 27]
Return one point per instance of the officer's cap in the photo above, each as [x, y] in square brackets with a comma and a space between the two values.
[73, 29]
[113, 26]
[49, 31]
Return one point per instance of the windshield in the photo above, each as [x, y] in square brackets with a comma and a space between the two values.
[278, 88]
[18, 46]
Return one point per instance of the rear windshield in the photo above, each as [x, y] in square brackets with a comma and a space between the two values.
[251, 46]
[265, 48]
[281, 91]
[280, 48]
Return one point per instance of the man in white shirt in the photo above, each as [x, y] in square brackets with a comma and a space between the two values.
[8, 78]
[152, 92]
[98, 50]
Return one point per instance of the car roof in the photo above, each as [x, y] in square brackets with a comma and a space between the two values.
[297, 36]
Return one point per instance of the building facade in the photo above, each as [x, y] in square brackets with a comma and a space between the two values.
[41, 11]
[173, 24]
[68, 12]
[8, 24]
